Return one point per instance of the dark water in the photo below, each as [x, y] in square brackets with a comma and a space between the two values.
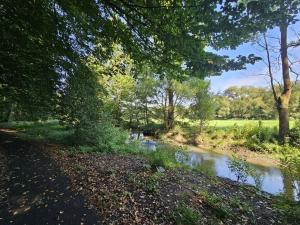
[272, 179]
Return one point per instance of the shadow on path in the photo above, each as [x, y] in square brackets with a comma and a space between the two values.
[35, 191]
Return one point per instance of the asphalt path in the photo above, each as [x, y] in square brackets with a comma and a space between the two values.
[33, 190]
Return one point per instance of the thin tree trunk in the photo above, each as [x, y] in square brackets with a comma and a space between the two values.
[170, 108]
[146, 114]
[284, 98]
[10, 114]
[270, 69]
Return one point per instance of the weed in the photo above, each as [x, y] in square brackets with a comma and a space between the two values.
[240, 168]
[236, 203]
[149, 183]
[216, 204]
[185, 215]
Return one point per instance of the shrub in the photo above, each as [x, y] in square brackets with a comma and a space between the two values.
[163, 156]
[102, 136]
[254, 133]
[240, 168]
[185, 215]
[289, 208]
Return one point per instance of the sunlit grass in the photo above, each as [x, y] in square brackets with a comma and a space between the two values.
[236, 122]
[49, 130]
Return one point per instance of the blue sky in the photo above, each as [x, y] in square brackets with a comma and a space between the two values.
[253, 74]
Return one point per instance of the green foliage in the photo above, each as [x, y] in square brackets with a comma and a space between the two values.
[42, 42]
[204, 168]
[185, 215]
[43, 131]
[252, 103]
[295, 134]
[163, 156]
[152, 183]
[245, 103]
[82, 112]
[289, 208]
[237, 203]
[290, 163]
[203, 107]
[216, 204]
[240, 168]
[149, 183]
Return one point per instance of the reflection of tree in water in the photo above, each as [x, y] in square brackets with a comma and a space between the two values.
[258, 178]
[297, 189]
[288, 186]
[207, 166]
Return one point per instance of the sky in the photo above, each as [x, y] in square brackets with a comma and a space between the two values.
[253, 75]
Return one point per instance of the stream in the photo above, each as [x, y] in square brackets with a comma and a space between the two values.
[271, 179]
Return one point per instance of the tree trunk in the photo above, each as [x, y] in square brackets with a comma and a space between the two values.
[283, 123]
[169, 123]
[10, 114]
[146, 114]
[283, 100]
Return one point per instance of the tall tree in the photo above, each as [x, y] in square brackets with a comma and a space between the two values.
[281, 14]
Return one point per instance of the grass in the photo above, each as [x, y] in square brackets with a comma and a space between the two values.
[229, 123]
[185, 215]
[216, 204]
[49, 130]
[236, 122]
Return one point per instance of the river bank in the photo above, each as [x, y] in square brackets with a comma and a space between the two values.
[126, 189]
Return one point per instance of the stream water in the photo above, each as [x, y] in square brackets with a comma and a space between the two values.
[272, 179]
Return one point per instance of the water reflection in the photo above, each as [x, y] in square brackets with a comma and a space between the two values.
[269, 179]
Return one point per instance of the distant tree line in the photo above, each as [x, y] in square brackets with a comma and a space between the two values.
[252, 103]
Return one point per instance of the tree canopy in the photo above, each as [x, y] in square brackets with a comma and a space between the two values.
[43, 40]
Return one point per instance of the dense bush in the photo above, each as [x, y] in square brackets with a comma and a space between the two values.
[258, 133]
[103, 136]
[163, 156]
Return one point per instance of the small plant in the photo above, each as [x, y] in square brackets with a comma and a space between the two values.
[236, 203]
[216, 204]
[185, 215]
[240, 168]
[149, 183]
